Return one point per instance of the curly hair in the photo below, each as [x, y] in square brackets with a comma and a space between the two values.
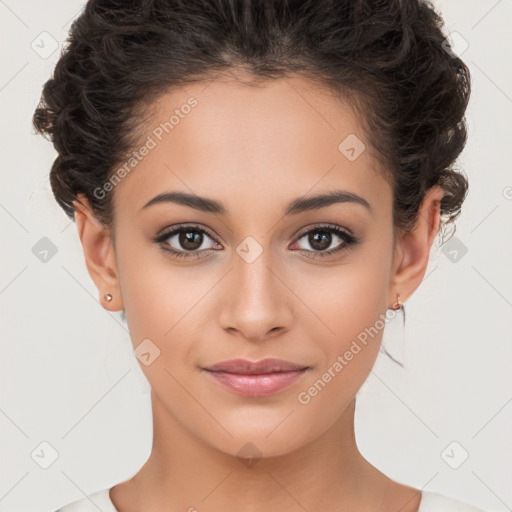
[390, 58]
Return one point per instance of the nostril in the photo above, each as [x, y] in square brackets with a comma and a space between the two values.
[272, 330]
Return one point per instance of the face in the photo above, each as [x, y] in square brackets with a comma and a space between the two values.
[248, 278]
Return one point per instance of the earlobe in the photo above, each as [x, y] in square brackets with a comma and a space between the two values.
[99, 255]
[414, 247]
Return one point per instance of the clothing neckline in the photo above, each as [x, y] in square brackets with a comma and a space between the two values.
[423, 494]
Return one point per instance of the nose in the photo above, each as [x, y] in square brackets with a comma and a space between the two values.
[257, 302]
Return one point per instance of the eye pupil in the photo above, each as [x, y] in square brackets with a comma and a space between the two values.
[324, 238]
[188, 240]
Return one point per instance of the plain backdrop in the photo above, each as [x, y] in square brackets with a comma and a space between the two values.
[72, 389]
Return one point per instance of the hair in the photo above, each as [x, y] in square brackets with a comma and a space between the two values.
[389, 59]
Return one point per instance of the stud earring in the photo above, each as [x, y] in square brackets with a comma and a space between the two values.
[108, 297]
[397, 305]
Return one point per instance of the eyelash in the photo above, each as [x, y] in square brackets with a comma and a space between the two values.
[349, 240]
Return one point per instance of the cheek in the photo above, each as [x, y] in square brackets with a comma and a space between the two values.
[356, 301]
[161, 313]
[148, 307]
[164, 303]
[350, 306]
[354, 335]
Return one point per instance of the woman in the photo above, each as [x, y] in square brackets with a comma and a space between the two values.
[256, 186]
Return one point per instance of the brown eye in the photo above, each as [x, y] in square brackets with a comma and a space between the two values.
[321, 239]
[190, 240]
[186, 239]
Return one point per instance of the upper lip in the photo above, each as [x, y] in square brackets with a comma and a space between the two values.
[244, 366]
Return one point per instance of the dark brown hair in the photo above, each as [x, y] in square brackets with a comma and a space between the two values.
[389, 57]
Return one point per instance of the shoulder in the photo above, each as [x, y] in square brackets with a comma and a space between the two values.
[436, 502]
[99, 500]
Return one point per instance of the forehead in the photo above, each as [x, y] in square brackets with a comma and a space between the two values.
[251, 144]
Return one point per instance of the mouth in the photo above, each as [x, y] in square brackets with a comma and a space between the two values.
[256, 379]
[246, 367]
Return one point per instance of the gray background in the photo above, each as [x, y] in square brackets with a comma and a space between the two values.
[68, 375]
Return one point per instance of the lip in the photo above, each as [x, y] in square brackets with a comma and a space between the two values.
[246, 367]
[256, 379]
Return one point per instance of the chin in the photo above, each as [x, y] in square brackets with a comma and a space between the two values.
[255, 444]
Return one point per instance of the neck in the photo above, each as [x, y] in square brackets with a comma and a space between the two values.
[184, 473]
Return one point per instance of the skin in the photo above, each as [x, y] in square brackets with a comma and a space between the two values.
[255, 148]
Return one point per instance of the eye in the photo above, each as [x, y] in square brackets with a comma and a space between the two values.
[186, 241]
[322, 237]
[190, 241]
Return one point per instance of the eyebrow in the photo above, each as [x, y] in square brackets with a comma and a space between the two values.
[299, 205]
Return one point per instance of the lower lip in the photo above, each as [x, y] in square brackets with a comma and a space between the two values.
[256, 385]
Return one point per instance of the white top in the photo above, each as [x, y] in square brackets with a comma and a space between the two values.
[430, 502]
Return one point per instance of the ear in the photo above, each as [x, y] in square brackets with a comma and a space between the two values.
[99, 254]
[413, 247]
